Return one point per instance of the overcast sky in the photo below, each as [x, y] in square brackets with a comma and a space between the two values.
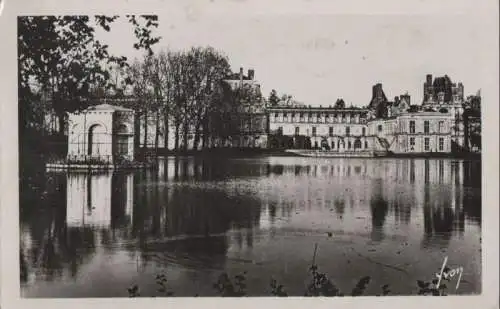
[318, 55]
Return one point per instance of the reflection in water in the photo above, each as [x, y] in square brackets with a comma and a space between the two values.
[196, 213]
[379, 209]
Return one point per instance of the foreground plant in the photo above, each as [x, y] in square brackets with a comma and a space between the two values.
[277, 289]
[320, 285]
[227, 288]
[432, 288]
[161, 282]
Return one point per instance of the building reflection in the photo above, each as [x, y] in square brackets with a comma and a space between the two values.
[194, 211]
[101, 204]
[440, 193]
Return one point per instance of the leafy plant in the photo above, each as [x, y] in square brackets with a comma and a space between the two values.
[431, 288]
[385, 290]
[320, 285]
[161, 281]
[360, 287]
[133, 291]
[227, 288]
[277, 289]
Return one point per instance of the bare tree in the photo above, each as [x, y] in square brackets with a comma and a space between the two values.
[137, 76]
[156, 78]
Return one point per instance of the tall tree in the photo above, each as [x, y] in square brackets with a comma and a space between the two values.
[232, 116]
[138, 75]
[215, 67]
[59, 57]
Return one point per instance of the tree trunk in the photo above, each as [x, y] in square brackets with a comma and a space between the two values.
[60, 136]
[157, 132]
[177, 131]
[145, 143]
[197, 136]
[137, 132]
[205, 133]
[165, 130]
[185, 135]
[61, 124]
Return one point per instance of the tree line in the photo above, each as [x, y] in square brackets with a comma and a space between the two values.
[64, 67]
[186, 91]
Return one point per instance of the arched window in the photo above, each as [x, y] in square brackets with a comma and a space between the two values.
[357, 144]
[95, 139]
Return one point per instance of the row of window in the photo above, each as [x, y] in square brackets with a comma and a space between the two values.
[427, 126]
[379, 128]
[427, 143]
[412, 125]
[330, 131]
[326, 120]
[340, 145]
[311, 115]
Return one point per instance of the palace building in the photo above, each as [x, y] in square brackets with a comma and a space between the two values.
[341, 129]
[383, 126]
[413, 132]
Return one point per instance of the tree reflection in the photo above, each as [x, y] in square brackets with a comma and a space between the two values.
[379, 208]
[339, 205]
[471, 199]
[193, 211]
[438, 220]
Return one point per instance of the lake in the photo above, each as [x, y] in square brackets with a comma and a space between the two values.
[192, 219]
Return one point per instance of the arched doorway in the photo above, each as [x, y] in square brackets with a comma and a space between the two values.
[324, 144]
[95, 140]
[357, 144]
[341, 144]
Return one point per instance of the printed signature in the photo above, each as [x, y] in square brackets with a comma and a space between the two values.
[447, 273]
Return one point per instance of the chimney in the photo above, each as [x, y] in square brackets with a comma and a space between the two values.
[251, 74]
[429, 79]
[241, 74]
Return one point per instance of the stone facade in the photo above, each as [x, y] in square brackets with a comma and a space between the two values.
[102, 133]
[420, 132]
[442, 94]
[349, 130]
[334, 129]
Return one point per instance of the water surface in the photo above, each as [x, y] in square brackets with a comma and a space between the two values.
[395, 220]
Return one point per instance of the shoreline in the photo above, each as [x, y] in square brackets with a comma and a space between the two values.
[247, 152]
